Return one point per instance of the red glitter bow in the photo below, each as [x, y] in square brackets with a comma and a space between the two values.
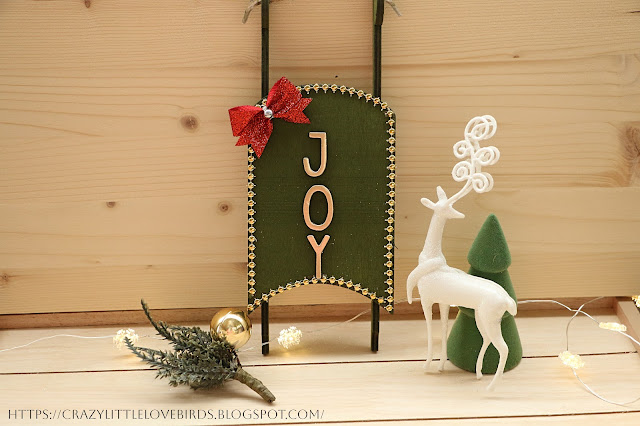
[253, 124]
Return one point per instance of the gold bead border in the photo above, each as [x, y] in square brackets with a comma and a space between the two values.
[340, 282]
[389, 227]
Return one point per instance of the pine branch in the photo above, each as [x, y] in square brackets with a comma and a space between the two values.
[161, 327]
[140, 351]
[243, 377]
[200, 359]
[183, 368]
[182, 338]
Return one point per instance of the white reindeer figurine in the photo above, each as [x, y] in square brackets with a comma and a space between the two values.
[438, 282]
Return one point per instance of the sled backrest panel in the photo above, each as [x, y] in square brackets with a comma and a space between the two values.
[360, 175]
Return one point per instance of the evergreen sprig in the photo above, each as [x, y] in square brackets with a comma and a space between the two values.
[200, 359]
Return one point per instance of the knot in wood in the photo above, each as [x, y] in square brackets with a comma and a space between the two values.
[189, 122]
[224, 207]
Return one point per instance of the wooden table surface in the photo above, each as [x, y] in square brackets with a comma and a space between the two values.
[333, 371]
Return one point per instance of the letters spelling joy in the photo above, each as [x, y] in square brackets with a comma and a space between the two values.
[318, 248]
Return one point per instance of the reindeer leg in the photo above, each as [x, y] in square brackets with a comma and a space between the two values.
[444, 320]
[427, 308]
[486, 341]
[495, 332]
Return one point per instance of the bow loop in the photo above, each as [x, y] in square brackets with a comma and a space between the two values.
[241, 116]
[253, 124]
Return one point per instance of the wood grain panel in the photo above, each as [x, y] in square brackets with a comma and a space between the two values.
[130, 232]
[426, 33]
[568, 123]
[629, 315]
[126, 103]
[408, 391]
[105, 258]
[282, 312]
[61, 373]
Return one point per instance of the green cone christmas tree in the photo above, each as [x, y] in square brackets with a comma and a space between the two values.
[489, 258]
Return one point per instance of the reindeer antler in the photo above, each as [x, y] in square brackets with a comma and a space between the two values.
[470, 170]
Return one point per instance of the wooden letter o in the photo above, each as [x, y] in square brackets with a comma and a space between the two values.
[307, 202]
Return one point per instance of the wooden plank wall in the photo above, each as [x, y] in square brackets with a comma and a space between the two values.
[120, 178]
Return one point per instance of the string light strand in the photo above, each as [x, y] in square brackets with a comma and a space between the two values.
[110, 336]
[310, 332]
[575, 373]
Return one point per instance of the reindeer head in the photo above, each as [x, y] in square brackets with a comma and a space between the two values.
[469, 170]
[444, 206]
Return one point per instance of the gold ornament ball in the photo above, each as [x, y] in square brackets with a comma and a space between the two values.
[233, 324]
